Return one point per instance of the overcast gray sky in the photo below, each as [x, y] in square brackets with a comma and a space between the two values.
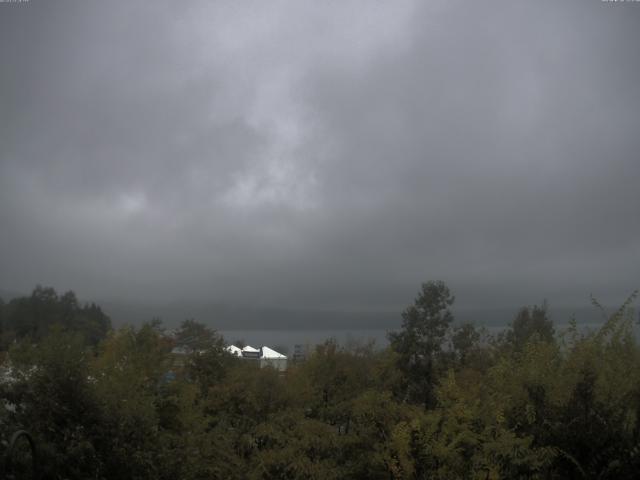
[321, 153]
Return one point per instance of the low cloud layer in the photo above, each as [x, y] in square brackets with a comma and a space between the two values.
[321, 154]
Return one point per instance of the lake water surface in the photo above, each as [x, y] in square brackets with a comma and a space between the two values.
[286, 339]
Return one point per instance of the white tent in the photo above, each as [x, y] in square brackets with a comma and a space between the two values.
[250, 352]
[233, 350]
[270, 353]
[271, 358]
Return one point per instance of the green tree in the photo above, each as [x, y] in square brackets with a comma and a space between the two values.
[530, 321]
[127, 375]
[34, 316]
[208, 360]
[54, 400]
[209, 366]
[420, 342]
[196, 335]
[464, 340]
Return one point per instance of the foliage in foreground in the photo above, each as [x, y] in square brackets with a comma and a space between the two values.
[442, 402]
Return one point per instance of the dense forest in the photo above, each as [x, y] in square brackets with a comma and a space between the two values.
[443, 401]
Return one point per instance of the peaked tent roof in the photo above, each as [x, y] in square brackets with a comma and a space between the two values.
[249, 348]
[270, 353]
[233, 350]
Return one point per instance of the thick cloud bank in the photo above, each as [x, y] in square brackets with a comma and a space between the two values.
[321, 154]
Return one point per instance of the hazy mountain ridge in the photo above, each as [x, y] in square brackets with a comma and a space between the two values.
[237, 317]
[227, 316]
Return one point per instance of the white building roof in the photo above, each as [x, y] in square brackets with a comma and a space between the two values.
[250, 349]
[233, 350]
[270, 353]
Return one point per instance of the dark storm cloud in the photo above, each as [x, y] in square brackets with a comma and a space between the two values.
[324, 154]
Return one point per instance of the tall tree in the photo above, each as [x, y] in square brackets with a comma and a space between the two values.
[208, 360]
[420, 341]
[196, 336]
[530, 321]
[34, 316]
